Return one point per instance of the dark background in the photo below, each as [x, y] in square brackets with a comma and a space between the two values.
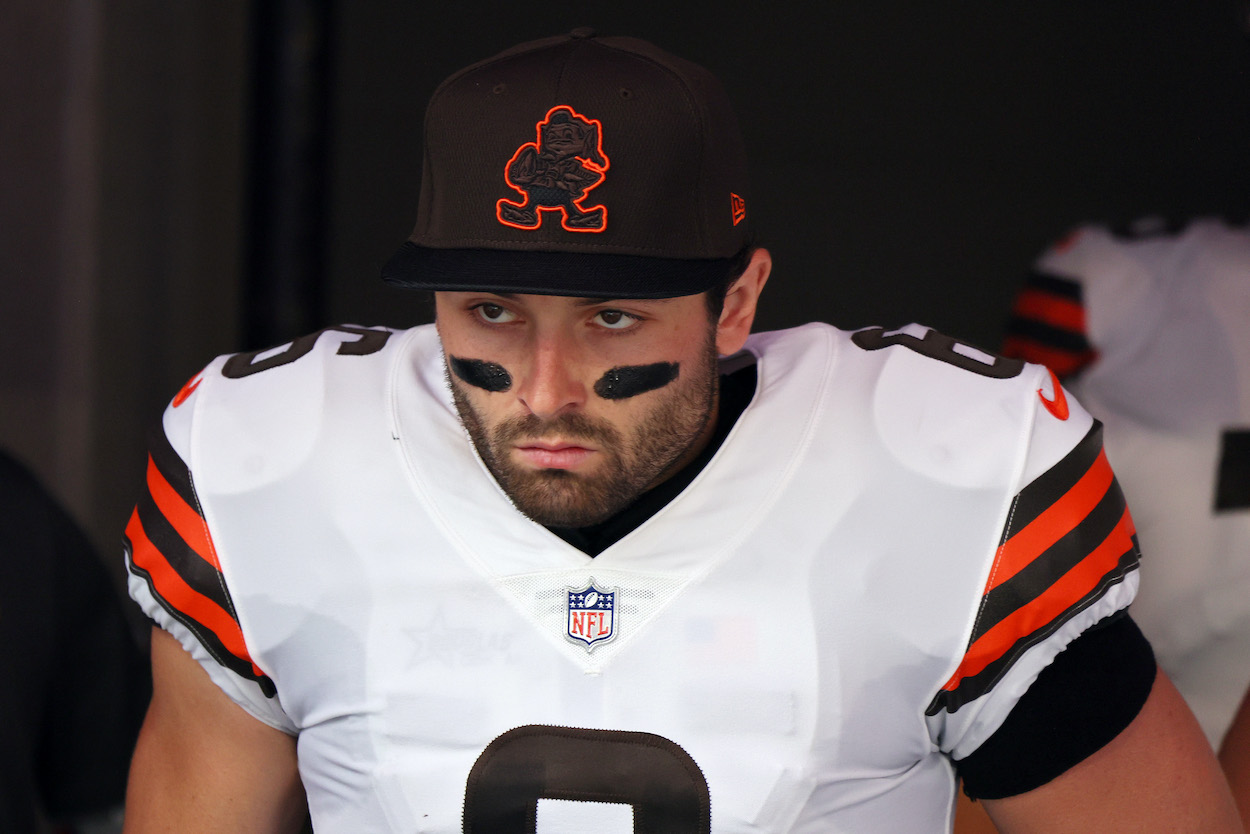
[187, 179]
[909, 158]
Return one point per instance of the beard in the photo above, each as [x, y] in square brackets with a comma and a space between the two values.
[633, 459]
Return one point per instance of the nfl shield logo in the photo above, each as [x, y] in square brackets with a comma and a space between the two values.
[592, 615]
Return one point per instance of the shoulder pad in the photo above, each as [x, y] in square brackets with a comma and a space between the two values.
[954, 413]
[250, 418]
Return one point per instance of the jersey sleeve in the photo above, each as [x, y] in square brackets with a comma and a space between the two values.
[1094, 689]
[1049, 322]
[1097, 289]
[175, 576]
[1067, 558]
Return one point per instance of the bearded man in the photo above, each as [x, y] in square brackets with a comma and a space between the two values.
[587, 555]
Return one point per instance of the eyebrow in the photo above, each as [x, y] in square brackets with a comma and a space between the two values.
[584, 301]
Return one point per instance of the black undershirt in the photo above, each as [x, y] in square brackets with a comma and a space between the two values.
[1086, 697]
[1092, 691]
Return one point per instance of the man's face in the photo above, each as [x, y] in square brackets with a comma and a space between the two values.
[577, 406]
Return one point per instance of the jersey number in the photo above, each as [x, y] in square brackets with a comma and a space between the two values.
[245, 364]
[654, 775]
[941, 347]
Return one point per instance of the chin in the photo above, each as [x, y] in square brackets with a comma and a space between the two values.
[560, 498]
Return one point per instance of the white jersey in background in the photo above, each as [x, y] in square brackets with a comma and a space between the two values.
[1151, 330]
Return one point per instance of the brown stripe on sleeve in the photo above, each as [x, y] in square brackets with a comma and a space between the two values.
[1048, 326]
[169, 546]
[1068, 539]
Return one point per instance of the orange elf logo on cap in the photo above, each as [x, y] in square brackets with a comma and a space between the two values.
[555, 173]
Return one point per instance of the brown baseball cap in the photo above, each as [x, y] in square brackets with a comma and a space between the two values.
[579, 165]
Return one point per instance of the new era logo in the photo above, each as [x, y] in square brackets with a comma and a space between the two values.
[739, 208]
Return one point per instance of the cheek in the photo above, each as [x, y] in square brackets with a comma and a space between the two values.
[626, 381]
[488, 376]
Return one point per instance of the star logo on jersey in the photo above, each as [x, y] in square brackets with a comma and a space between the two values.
[1058, 404]
[591, 615]
[445, 642]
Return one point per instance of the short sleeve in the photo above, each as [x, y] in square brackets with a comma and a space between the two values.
[1049, 322]
[1080, 702]
[1067, 559]
[176, 578]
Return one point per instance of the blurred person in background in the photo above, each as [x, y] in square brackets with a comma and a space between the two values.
[1148, 326]
[73, 681]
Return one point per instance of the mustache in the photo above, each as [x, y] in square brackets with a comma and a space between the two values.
[567, 426]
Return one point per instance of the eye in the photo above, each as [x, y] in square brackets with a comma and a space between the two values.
[615, 319]
[494, 313]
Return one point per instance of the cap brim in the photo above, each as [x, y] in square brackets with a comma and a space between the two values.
[581, 274]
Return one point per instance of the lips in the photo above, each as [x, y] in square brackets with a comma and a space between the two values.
[547, 455]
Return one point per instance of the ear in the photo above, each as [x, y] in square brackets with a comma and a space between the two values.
[740, 303]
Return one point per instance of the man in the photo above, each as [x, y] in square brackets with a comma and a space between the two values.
[586, 556]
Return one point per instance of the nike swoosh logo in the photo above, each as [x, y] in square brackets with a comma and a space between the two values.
[187, 390]
[1059, 405]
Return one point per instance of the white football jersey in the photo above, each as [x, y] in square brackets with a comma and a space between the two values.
[1165, 365]
[898, 534]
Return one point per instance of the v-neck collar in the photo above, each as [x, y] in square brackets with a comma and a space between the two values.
[456, 489]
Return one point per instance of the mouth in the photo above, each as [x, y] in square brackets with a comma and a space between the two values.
[552, 454]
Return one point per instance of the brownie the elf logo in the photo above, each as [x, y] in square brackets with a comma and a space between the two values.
[555, 173]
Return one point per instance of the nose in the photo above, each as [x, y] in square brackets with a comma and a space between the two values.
[552, 385]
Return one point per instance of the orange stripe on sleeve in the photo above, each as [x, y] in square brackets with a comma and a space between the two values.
[185, 520]
[1050, 309]
[1057, 521]
[182, 596]
[1068, 591]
